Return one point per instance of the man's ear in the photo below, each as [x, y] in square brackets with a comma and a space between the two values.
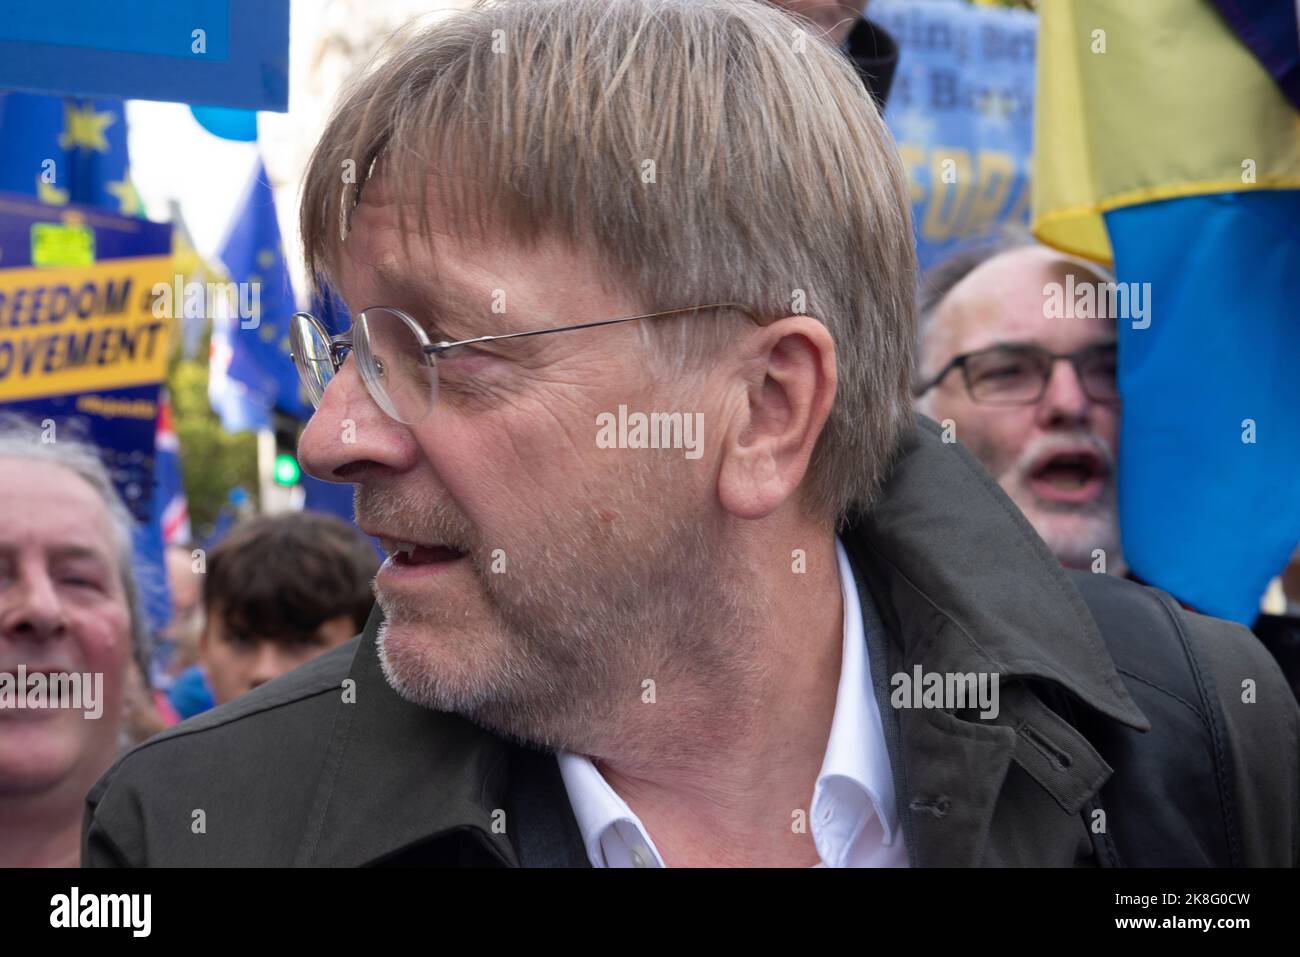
[790, 386]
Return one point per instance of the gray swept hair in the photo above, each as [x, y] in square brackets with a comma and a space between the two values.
[779, 185]
[20, 439]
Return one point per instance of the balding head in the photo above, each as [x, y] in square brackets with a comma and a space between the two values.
[1054, 457]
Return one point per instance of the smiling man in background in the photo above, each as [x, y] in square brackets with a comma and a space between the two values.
[68, 607]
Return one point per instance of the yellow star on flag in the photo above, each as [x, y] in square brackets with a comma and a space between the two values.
[128, 200]
[50, 194]
[83, 127]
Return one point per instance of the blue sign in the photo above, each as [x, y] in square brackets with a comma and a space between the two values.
[211, 52]
[962, 111]
[121, 422]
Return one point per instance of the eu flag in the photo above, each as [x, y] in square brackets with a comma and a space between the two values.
[66, 151]
[251, 373]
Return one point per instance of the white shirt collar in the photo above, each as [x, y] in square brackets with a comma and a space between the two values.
[852, 817]
[612, 833]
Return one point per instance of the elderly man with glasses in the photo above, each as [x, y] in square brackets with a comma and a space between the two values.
[632, 655]
[1030, 392]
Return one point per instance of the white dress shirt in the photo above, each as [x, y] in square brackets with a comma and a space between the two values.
[852, 815]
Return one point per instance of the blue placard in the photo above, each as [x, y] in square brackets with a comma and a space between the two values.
[231, 53]
[121, 422]
[129, 26]
[961, 109]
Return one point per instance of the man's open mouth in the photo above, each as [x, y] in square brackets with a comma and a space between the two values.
[1075, 475]
[414, 553]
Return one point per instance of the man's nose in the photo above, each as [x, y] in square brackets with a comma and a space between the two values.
[349, 435]
[30, 609]
[1064, 402]
[271, 662]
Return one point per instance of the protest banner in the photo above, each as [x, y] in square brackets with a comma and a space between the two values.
[84, 346]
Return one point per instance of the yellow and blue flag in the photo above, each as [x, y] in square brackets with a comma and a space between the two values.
[1271, 29]
[1164, 145]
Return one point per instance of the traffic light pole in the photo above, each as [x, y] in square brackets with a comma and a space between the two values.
[275, 497]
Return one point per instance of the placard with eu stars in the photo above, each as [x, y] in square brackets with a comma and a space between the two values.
[84, 346]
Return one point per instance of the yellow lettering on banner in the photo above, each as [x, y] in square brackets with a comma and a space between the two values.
[968, 201]
[990, 194]
[81, 329]
[947, 206]
[1020, 211]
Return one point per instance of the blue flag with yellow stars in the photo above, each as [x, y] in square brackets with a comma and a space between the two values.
[250, 371]
[64, 150]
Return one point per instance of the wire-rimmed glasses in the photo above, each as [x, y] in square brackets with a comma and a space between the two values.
[397, 362]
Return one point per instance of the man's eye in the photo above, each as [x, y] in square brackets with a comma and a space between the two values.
[78, 581]
[1005, 370]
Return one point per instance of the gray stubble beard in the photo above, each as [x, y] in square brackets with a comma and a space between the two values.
[660, 603]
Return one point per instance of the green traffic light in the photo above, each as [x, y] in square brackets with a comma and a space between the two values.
[287, 471]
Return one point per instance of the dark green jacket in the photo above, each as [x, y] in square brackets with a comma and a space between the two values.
[1134, 743]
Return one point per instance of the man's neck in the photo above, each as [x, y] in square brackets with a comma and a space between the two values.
[729, 788]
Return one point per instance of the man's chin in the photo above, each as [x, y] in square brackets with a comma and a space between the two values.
[35, 762]
[1075, 535]
[462, 676]
[436, 665]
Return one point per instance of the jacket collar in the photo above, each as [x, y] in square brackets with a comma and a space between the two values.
[945, 545]
[961, 584]
[397, 775]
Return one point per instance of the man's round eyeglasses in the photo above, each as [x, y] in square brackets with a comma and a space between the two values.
[398, 363]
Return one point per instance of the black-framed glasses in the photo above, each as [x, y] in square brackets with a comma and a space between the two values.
[398, 363]
[1018, 373]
